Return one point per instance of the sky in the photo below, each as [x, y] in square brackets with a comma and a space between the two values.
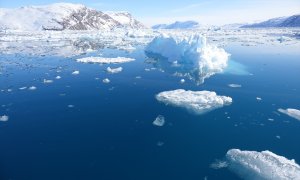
[210, 12]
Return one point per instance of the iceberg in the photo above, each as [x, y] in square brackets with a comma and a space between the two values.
[198, 102]
[194, 58]
[114, 70]
[4, 118]
[294, 113]
[47, 81]
[103, 60]
[262, 165]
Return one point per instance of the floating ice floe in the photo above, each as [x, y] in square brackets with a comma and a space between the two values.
[258, 98]
[75, 72]
[71, 106]
[32, 88]
[182, 81]
[106, 80]
[57, 77]
[218, 164]
[22, 88]
[235, 85]
[159, 121]
[46, 81]
[294, 113]
[198, 102]
[103, 60]
[4, 118]
[262, 165]
[114, 70]
[194, 58]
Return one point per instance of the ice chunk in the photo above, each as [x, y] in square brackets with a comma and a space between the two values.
[218, 164]
[103, 60]
[57, 77]
[22, 88]
[114, 70]
[182, 81]
[294, 113]
[159, 121]
[4, 118]
[258, 98]
[198, 102]
[106, 80]
[262, 165]
[32, 88]
[75, 72]
[46, 81]
[235, 85]
[193, 56]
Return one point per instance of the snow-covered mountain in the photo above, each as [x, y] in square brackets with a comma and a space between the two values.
[291, 21]
[64, 16]
[178, 25]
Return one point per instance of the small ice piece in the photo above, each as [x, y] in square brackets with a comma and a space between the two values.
[262, 165]
[270, 119]
[9, 90]
[182, 81]
[160, 143]
[294, 113]
[235, 85]
[46, 81]
[114, 70]
[71, 106]
[258, 98]
[22, 88]
[218, 164]
[32, 88]
[198, 102]
[106, 80]
[138, 77]
[278, 137]
[103, 60]
[4, 118]
[159, 121]
[75, 72]
[57, 77]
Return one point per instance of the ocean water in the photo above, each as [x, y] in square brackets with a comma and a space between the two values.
[108, 133]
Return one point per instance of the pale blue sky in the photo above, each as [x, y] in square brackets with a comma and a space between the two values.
[204, 11]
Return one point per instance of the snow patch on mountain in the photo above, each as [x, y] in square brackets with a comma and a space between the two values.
[63, 16]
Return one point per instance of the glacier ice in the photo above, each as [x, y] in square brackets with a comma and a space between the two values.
[294, 113]
[114, 70]
[198, 102]
[4, 118]
[103, 60]
[193, 56]
[159, 121]
[262, 165]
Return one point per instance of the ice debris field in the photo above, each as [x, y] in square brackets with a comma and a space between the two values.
[190, 56]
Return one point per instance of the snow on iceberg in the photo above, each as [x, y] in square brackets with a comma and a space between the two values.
[262, 165]
[198, 102]
[103, 60]
[194, 58]
[114, 70]
[294, 113]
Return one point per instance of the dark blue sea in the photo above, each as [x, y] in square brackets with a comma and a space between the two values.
[107, 133]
